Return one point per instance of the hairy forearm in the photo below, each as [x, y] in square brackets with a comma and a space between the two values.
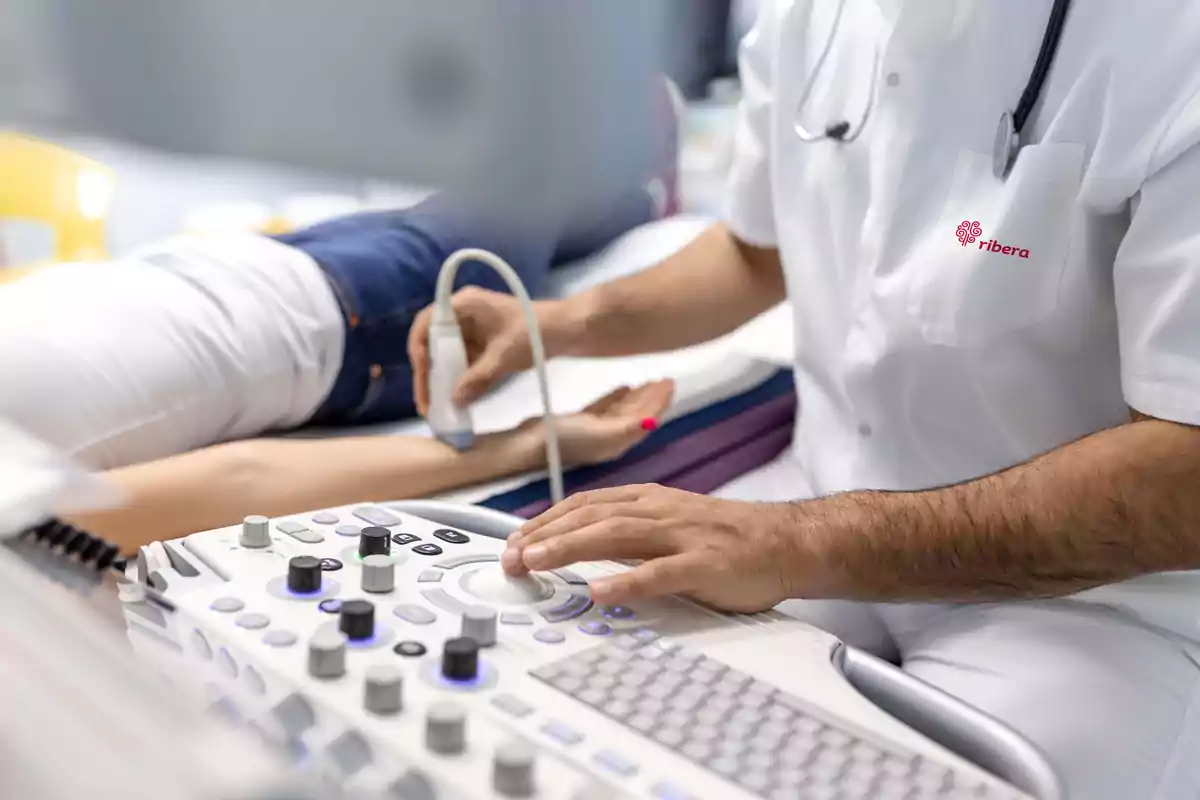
[1113, 506]
[706, 290]
[221, 485]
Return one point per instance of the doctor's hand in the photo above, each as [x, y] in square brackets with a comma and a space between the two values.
[742, 557]
[496, 338]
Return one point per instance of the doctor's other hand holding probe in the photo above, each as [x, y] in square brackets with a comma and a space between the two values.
[985, 217]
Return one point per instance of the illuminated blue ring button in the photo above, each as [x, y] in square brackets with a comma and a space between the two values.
[574, 606]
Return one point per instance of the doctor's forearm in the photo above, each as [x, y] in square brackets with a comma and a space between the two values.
[708, 289]
[1119, 504]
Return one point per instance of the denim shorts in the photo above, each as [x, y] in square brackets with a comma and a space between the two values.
[383, 267]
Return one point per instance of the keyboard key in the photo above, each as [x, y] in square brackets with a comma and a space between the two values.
[671, 737]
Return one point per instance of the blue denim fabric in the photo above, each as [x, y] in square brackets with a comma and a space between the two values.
[383, 267]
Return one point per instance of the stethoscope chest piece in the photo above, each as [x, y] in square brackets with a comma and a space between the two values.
[1006, 146]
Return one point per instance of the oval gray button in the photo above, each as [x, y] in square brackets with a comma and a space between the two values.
[253, 622]
[227, 605]
[417, 615]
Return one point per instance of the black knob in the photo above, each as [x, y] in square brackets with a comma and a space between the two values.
[460, 659]
[304, 574]
[357, 620]
[374, 541]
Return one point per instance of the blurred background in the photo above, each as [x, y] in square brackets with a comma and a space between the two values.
[160, 117]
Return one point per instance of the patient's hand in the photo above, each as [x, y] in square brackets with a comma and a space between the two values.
[610, 427]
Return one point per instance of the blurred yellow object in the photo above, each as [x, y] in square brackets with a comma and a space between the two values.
[47, 184]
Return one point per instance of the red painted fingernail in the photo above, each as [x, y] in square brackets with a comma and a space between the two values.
[649, 424]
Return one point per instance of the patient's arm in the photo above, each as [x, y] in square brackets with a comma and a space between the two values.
[220, 485]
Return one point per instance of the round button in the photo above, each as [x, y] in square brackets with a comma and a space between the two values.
[256, 532]
[428, 549]
[549, 636]
[595, 628]
[304, 575]
[479, 623]
[378, 574]
[383, 690]
[460, 659]
[512, 770]
[893, 79]
[374, 541]
[227, 605]
[446, 728]
[493, 584]
[279, 639]
[330, 565]
[325, 518]
[865, 430]
[618, 612]
[330, 606]
[409, 649]
[327, 654]
[253, 622]
[348, 530]
[357, 620]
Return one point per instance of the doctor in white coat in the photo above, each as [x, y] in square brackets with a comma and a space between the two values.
[986, 217]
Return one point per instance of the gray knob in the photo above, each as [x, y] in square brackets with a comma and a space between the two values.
[446, 728]
[512, 770]
[378, 574]
[479, 623]
[384, 690]
[327, 654]
[256, 532]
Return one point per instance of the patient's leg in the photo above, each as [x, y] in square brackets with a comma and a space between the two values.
[184, 346]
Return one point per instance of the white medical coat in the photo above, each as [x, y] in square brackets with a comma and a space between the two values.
[950, 324]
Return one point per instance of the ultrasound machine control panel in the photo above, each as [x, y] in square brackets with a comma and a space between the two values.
[391, 656]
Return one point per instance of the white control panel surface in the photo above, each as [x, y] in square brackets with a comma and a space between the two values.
[394, 658]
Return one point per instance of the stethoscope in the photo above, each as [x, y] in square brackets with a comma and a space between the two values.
[1012, 123]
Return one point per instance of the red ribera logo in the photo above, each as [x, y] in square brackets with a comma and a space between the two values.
[968, 232]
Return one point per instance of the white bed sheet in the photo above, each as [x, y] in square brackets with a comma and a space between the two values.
[703, 374]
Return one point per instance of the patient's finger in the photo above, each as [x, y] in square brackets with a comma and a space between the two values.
[582, 518]
[650, 400]
[609, 400]
[598, 497]
[613, 538]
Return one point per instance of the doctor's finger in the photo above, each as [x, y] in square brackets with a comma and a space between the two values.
[418, 357]
[676, 574]
[612, 539]
[583, 517]
[618, 494]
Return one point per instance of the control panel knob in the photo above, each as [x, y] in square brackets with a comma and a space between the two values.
[446, 728]
[256, 532]
[304, 574]
[327, 654]
[512, 770]
[356, 619]
[460, 659]
[479, 623]
[384, 689]
[374, 541]
[378, 574]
